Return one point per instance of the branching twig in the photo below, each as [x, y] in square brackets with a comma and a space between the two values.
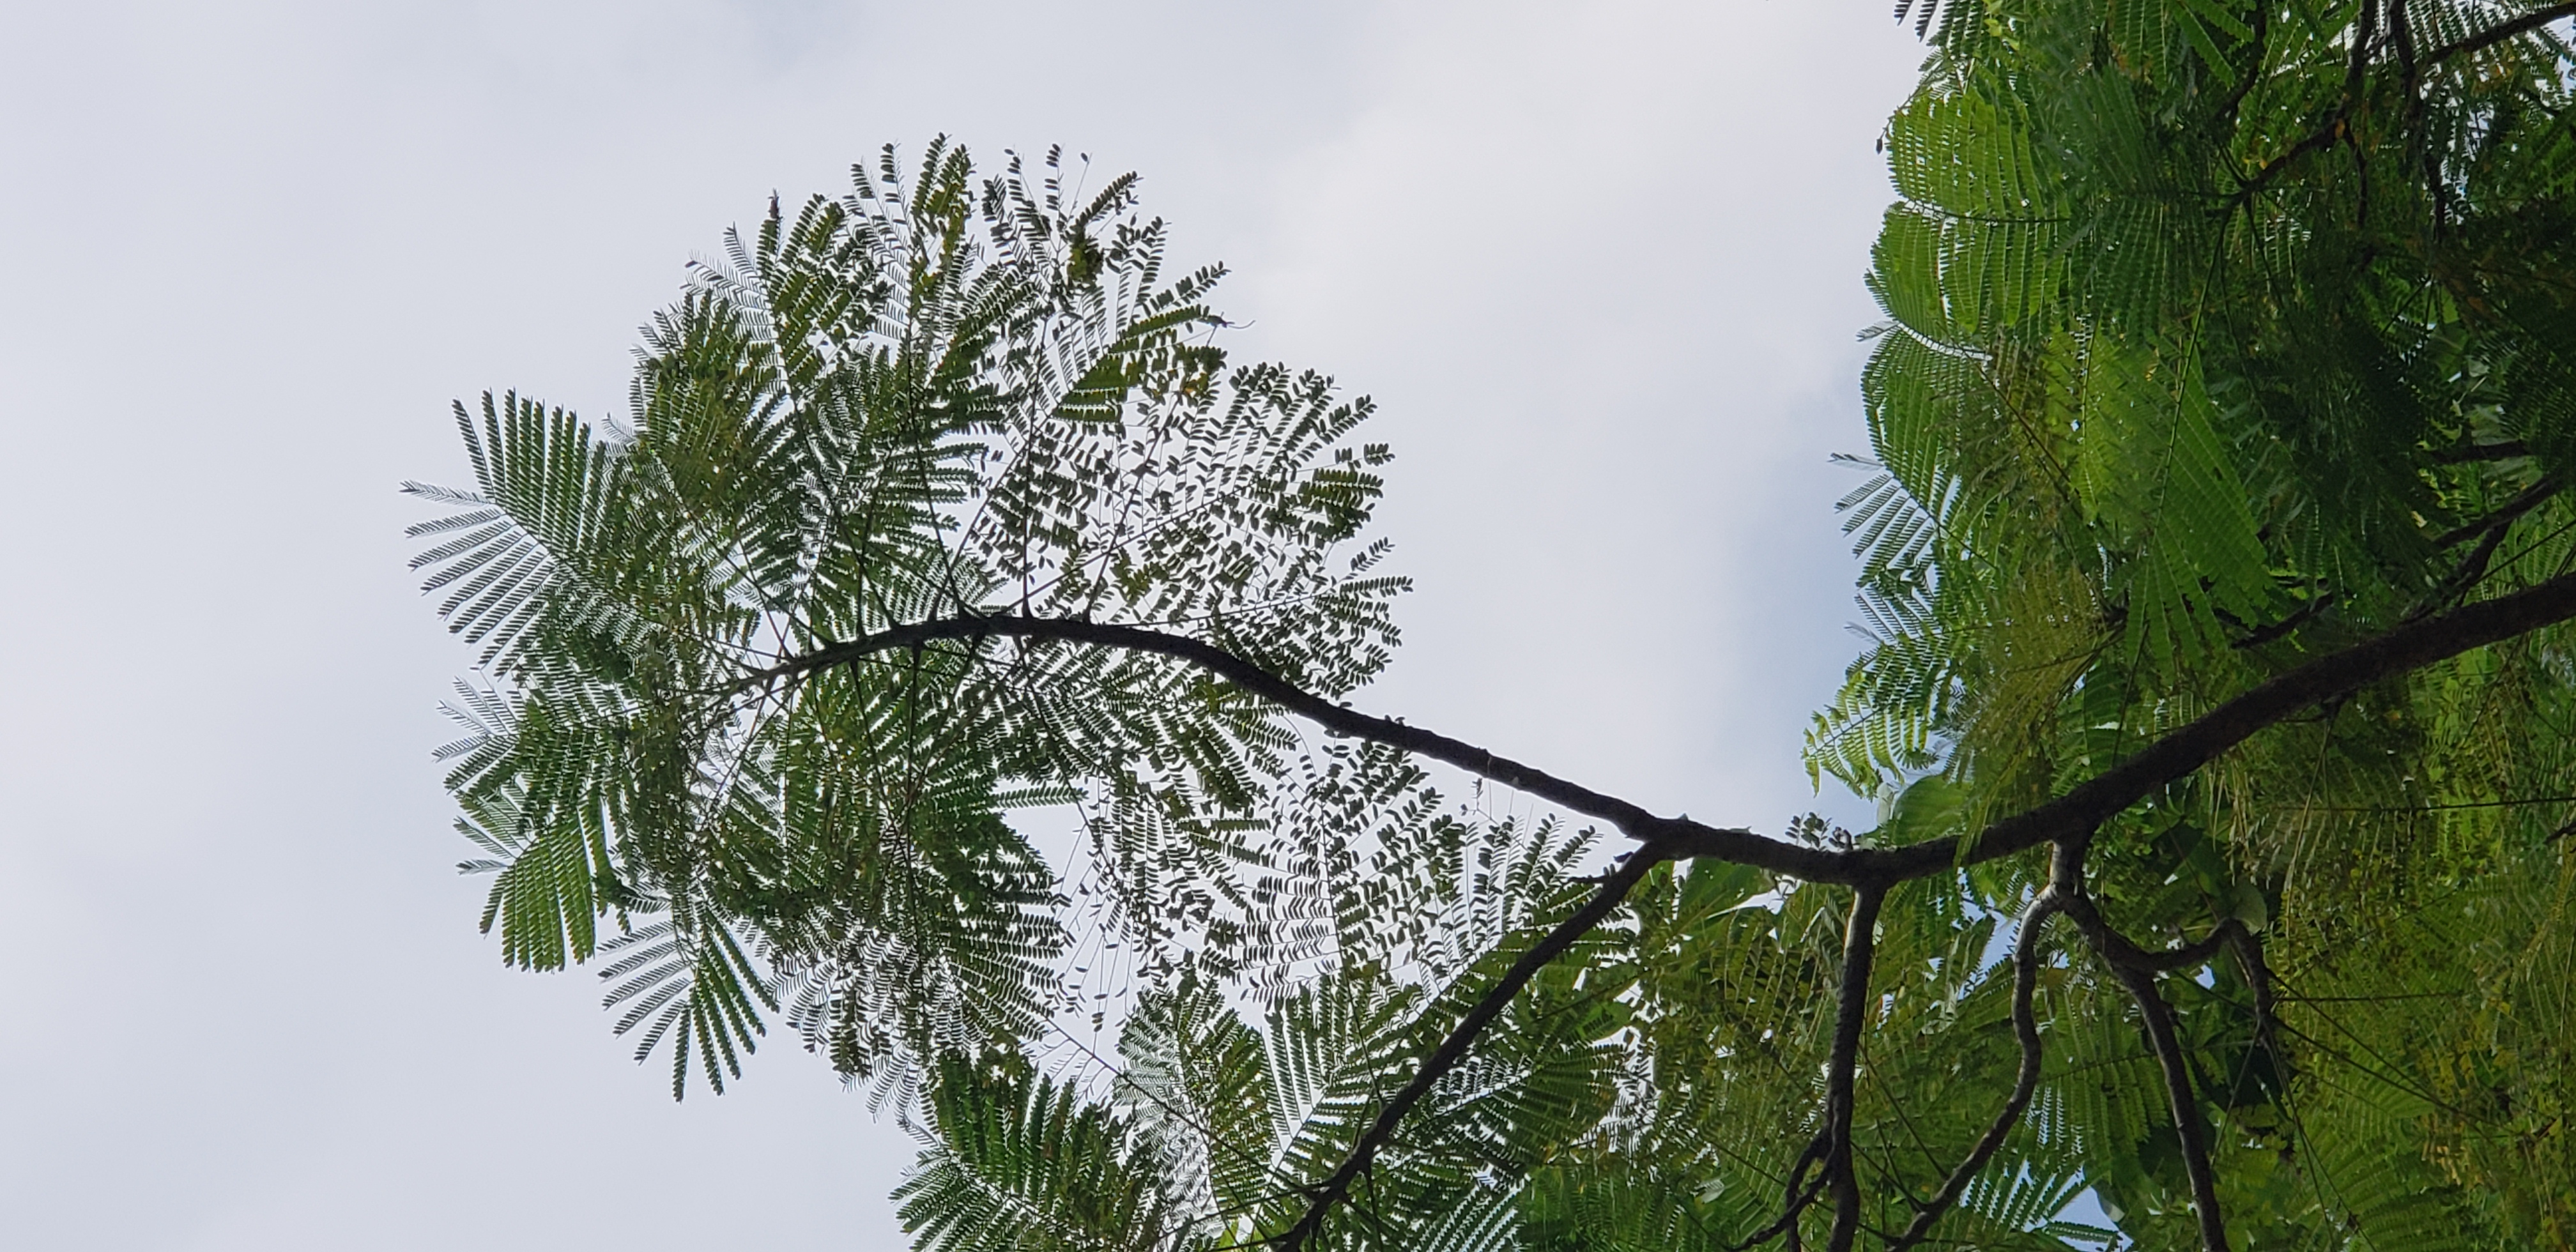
[2254, 68]
[2490, 532]
[2529, 498]
[1860, 947]
[1794, 1199]
[2282, 629]
[2338, 123]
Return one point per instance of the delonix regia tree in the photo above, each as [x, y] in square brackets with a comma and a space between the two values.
[2216, 693]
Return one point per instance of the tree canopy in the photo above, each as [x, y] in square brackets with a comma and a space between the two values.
[2215, 573]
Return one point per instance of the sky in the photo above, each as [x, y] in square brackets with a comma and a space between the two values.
[1599, 264]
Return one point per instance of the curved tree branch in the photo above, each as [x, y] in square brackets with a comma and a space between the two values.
[2034, 921]
[2070, 817]
[2140, 978]
[2074, 813]
[2186, 749]
[2168, 960]
[1453, 1048]
[1795, 1197]
[1740, 846]
[2498, 33]
[1860, 948]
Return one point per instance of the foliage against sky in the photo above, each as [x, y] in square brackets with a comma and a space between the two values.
[2218, 415]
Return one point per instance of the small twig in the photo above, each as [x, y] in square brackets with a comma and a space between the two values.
[2338, 122]
[2490, 532]
[1860, 946]
[2282, 629]
[2254, 69]
[2530, 498]
[2461, 454]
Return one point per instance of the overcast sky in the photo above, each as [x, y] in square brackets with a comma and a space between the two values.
[1600, 264]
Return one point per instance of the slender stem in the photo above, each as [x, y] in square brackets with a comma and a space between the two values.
[1860, 946]
[2248, 948]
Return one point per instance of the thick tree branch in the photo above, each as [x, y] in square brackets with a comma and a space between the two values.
[2140, 978]
[1860, 948]
[2407, 647]
[2025, 1019]
[2176, 755]
[1453, 1048]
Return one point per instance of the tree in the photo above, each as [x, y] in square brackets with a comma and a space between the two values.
[2215, 568]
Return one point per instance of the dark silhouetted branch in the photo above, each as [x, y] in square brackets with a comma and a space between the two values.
[1740, 846]
[2080, 809]
[2069, 817]
[1453, 1048]
[2025, 1020]
[2499, 32]
[2201, 741]
[2193, 1134]
[1860, 946]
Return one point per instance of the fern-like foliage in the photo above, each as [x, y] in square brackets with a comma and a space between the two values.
[2211, 345]
[2215, 339]
[938, 395]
